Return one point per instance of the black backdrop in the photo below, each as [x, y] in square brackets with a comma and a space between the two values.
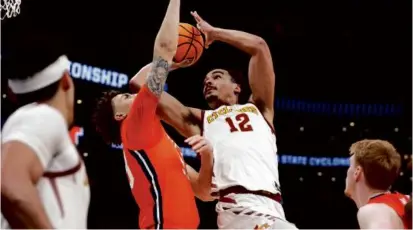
[344, 51]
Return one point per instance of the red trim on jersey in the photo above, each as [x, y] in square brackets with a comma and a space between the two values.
[57, 195]
[63, 173]
[241, 190]
[202, 122]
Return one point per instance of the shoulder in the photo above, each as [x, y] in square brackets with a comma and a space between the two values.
[37, 111]
[35, 120]
[374, 208]
[378, 214]
[39, 127]
[44, 116]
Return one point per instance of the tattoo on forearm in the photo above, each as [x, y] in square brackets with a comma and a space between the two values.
[157, 76]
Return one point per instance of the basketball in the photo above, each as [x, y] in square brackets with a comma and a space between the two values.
[190, 44]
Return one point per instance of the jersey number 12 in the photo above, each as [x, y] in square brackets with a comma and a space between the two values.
[242, 123]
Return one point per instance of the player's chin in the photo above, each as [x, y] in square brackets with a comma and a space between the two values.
[210, 97]
[347, 193]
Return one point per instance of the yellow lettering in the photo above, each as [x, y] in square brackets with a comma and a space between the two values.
[222, 111]
[215, 115]
[210, 119]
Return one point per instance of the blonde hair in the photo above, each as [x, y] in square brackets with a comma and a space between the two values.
[380, 162]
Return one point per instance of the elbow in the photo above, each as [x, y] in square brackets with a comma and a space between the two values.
[134, 85]
[260, 42]
[165, 49]
[259, 46]
[205, 196]
[137, 81]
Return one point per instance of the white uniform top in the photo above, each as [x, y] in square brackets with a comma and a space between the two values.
[64, 188]
[244, 148]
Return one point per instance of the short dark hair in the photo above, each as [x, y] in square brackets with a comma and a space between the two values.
[103, 118]
[236, 76]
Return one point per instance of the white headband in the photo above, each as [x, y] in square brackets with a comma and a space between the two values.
[47, 76]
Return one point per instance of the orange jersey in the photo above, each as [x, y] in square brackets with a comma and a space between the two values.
[396, 201]
[156, 169]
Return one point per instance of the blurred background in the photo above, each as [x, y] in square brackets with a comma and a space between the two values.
[344, 73]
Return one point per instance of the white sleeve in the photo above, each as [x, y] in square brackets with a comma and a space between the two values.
[42, 130]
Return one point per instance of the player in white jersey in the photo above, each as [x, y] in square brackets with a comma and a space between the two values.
[44, 182]
[245, 161]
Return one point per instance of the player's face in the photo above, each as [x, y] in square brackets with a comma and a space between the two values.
[353, 174]
[121, 104]
[218, 86]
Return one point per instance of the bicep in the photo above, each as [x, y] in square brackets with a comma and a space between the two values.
[184, 119]
[262, 79]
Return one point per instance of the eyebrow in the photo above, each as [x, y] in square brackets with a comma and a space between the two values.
[218, 71]
[215, 72]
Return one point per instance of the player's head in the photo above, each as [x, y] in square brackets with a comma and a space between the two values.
[374, 165]
[112, 108]
[221, 87]
[40, 73]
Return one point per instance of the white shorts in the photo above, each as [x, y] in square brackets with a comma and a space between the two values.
[249, 211]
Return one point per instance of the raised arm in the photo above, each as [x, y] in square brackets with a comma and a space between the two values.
[142, 122]
[185, 120]
[261, 74]
[165, 47]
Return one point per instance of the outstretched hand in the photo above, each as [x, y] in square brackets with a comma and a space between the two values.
[204, 27]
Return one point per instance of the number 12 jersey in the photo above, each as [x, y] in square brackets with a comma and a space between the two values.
[245, 151]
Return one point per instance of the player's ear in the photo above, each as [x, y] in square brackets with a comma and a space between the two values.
[237, 89]
[119, 116]
[357, 173]
[66, 81]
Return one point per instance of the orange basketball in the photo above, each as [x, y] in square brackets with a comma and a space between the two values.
[190, 44]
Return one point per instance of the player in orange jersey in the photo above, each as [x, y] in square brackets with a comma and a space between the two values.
[374, 166]
[156, 170]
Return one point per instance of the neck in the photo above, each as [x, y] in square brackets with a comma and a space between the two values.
[363, 194]
[227, 101]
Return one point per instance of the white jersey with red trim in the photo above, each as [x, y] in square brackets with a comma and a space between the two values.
[244, 148]
[63, 188]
